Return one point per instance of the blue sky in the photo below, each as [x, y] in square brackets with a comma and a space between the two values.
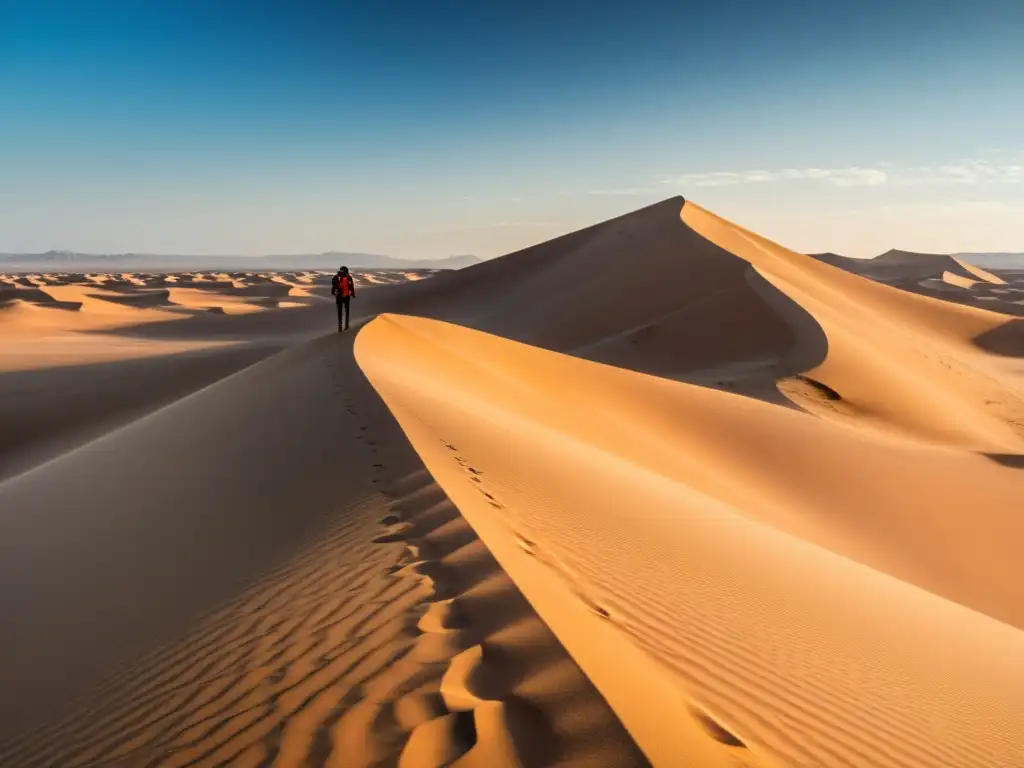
[426, 129]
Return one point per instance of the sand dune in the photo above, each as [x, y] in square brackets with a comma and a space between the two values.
[957, 280]
[84, 353]
[78, 306]
[936, 275]
[370, 617]
[669, 478]
[345, 598]
[903, 362]
[579, 474]
[619, 504]
[141, 299]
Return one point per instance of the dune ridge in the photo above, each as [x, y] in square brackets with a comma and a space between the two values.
[746, 582]
[901, 377]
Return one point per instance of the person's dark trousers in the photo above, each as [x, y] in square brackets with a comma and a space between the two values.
[343, 303]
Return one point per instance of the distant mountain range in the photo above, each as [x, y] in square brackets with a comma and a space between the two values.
[70, 261]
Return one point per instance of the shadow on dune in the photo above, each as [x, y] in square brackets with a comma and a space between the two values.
[38, 426]
[1013, 460]
[144, 298]
[113, 548]
[316, 317]
[37, 296]
[643, 292]
[1006, 340]
[263, 289]
[715, 306]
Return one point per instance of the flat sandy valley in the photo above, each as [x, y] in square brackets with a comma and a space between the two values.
[657, 492]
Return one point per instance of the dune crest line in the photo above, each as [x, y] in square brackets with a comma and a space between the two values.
[747, 583]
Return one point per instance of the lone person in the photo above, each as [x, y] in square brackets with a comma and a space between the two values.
[343, 287]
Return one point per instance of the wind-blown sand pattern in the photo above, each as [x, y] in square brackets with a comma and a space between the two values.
[375, 628]
[751, 507]
[412, 645]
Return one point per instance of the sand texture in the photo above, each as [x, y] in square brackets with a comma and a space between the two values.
[659, 491]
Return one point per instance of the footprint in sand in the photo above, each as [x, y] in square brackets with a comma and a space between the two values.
[716, 730]
[476, 477]
[526, 545]
[443, 725]
[399, 532]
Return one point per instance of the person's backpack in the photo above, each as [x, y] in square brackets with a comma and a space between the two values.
[342, 285]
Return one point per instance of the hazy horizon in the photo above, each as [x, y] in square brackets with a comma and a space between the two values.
[216, 128]
[210, 254]
[350, 253]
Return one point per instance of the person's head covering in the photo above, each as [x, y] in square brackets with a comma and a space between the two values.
[343, 270]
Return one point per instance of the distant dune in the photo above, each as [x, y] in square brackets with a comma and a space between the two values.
[952, 278]
[659, 491]
[125, 342]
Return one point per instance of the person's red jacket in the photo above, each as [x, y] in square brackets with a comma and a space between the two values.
[343, 286]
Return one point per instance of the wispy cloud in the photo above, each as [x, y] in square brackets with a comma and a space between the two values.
[969, 171]
[842, 177]
[509, 224]
[628, 192]
[971, 211]
[944, 209]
